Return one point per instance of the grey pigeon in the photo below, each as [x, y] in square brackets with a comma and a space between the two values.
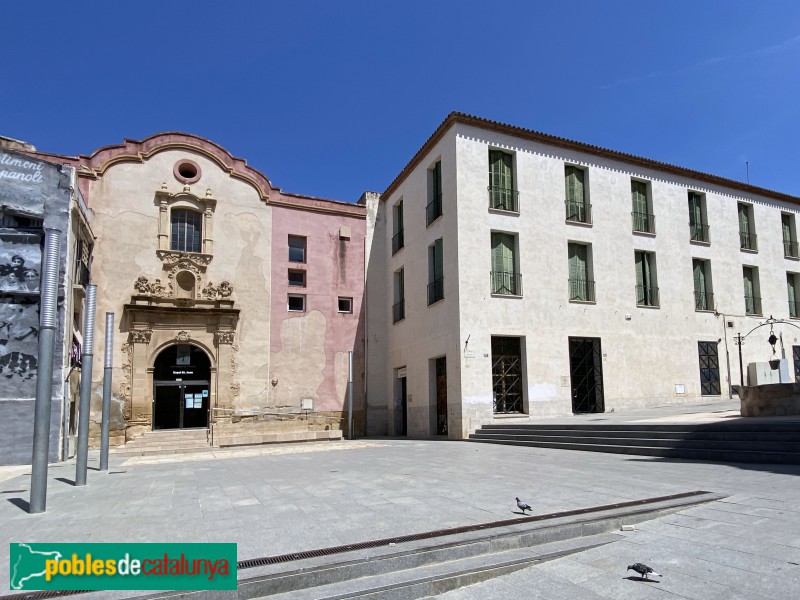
[643, 570]
[523, 506]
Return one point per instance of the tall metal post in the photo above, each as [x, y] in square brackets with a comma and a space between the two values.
[86, 386]
[107, 372]
[48, 321]
[350, 395]
[740, 341]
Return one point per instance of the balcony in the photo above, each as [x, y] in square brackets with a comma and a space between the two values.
[703, 300]
[506, 284]
[581, 290]
[501, 198]
[397, 242]
[794, 309]
[578, 212]
[398, 311]
[747, 241]
[643, 222]
[698, 232]
[433, 210]
[790, 249]
[752, 305]
[436, 290]
[82, 274]
[646, 296]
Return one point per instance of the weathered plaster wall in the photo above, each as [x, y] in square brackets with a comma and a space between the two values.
[33, 188]
[310, 354]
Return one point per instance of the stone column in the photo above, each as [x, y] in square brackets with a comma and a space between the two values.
[163, 226]
[227, 382]
[208, 231]
[141, 386]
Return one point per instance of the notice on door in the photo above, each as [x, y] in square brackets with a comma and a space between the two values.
[198, 401]
[188, 400]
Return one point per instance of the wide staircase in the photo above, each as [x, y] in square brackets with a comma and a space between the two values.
[761, 442]
[166, 441]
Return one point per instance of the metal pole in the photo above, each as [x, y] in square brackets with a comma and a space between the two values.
[107, 373]
[741, 370]
[350, 395]
[86, 386]
[48, 321]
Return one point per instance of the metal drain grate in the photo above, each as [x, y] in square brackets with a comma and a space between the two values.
[281, 558]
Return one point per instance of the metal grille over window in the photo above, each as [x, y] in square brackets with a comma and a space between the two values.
[186, 231]
[709, 368]
[506, 375]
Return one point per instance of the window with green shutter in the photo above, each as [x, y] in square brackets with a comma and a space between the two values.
[646, 290]
[747, 236]
[434, 209]
[435, 272]
[580, 287]
[399, 306]
[504, 278]
[577, 208]
[698, 227]
[502, 195]
[752, 301]
[703, 298]
[642, 219]
[791, 285]
[789, 237]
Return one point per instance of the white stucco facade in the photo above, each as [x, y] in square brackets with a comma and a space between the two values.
[650, 354]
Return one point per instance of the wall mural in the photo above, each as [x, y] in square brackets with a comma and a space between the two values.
[19, 344]
[20, 265]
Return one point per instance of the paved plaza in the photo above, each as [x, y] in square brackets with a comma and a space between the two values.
[289, 498]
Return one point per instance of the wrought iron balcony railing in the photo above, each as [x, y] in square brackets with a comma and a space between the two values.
[794, 309]
[397, 241]
[646, 295]
[398, 311]
[581, 290]
[502, 198]
[703, 300]
[433, 210]
[506, 284]
[747, 240]
[790, 249]
[698, 232]
[752, 305]
[644, 222]
[435, 290]
[578, 212]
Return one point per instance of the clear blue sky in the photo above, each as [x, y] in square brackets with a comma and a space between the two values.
[331, 98]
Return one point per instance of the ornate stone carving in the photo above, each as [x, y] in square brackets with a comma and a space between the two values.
[125, 384]
[140, 336]
[224, 337]
[223, 290]
[170, 258]
[183, 336]
[155, 288]
[234, 362]
[235, 389]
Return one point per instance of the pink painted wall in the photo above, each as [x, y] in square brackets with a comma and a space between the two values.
[334, 267]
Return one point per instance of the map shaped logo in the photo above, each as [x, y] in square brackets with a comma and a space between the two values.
[28, 565]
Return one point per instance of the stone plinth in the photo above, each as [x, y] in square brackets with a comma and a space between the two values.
[774, 400]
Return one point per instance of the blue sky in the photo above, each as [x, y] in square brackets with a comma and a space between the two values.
[331, 98]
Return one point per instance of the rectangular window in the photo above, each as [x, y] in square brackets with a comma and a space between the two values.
[752, 296]
[502, 195]
[578, 209]
[747, 231]
[297, 278]
[399, 306]
[646, 288]
[397, 227]
[698, 223]
[581, 287]
[297, 249]
[186, 230]
[709, 368]
[793, 289]
[435, 272]
[345, 305]
[703, 298]
[434, 209]
[297, 303]
[505, 278]
[643, 219]
[789, 236]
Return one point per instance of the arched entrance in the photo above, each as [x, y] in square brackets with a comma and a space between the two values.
[181, 395]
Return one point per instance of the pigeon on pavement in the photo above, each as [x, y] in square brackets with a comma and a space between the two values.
[643, 570]
[523, 506]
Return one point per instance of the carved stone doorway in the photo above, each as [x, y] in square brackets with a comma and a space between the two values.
[181, 388]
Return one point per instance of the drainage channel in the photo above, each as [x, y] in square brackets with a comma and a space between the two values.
[332, 550]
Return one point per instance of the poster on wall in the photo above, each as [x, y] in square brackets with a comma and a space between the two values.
[20, 263]
[19, 346]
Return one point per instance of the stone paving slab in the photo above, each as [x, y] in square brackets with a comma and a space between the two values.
[300, 497]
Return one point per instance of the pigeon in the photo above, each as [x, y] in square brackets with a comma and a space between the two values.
[643, 570]
[522, 506]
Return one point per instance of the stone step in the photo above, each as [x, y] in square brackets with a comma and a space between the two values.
[790, 424]
[645, 432]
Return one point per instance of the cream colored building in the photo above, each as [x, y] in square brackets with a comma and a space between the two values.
[527, 275]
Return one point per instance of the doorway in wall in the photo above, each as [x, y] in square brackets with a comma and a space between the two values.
[181, 394]
[586, 375]
[400, 403]
[440, 380]
[796, 360]
[506, 375]
[709, 368]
